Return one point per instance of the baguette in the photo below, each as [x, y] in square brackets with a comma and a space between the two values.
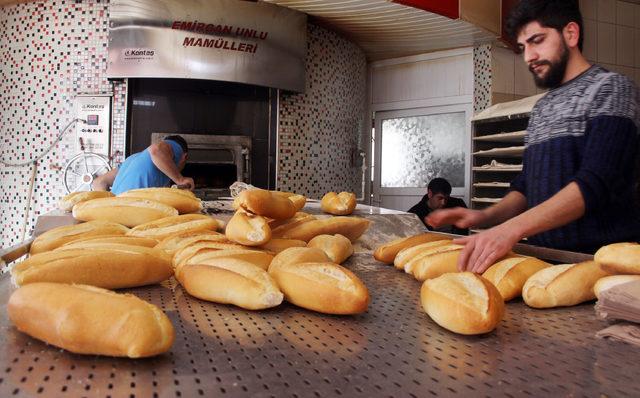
[110, 266]
[89, 320]
[280, 227]
[619, 258]
[387, 252]
[57, 237]
[173, 243]
[266, 203]
[407, 254]
[187, 252]
[182, 200]
[510, 274]
[261, 259]
[350, 227]
[169, 226]
[323, 287]
[277, 245]
[562, 285]
[338, 204]
[434, 262]
[126, 211]
[97, 241]
[248, 229]
[298, 201]
[230, 281]
[337, 247]
[463, 303]
[67, 202]
[297, 255]
[610, 281]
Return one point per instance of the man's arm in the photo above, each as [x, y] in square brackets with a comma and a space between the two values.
[105, 181]
[162, 157]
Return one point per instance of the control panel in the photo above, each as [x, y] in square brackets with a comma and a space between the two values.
[94, 135]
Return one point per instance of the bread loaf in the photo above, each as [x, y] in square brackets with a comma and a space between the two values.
[280, 227]
[266, 203]
[67, 202]
[387, 252]
[608, 282]
[57, 237]
[255, 257]
[407, 254]
[562, 285]
[187, 252]
[111, 266]
[169, 226]
[297, 255]
[181, 240]
[323, 287]
[126, 211]
[248, 229]
[230, 281]
[338, 204]
[434, 262]
[351, 227]
[98, 241]
[510, 274]
[89, 320]
[182, 200]
[298, 201]
[277, 245]
[337, 247]
[463, 303]
[619, 258]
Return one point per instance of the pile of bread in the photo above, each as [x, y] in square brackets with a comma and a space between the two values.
[467, 303]
[269, 252]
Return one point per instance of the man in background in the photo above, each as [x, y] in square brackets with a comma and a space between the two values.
[438, 196]
[157, 166]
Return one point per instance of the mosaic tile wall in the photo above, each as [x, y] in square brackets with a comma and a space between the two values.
[51, 51]
[321, 129]
[482, 77]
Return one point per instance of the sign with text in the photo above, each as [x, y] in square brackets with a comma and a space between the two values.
[229, 40]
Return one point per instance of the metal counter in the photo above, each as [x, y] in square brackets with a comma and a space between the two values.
[393, 350]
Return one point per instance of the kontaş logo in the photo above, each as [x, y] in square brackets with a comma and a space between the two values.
[139, 52]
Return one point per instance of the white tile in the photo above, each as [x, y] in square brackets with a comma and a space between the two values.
[503, 70]
[606, 43]
[607, 11]
[636, 35]
[625, 46]
[590, 42]
[523, 83]
[625, 13]
[589, 9]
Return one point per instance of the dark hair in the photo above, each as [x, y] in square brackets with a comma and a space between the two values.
[440, 185]
[178, 140]
[554, 14]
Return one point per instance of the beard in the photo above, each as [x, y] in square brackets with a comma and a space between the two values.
[555, 74]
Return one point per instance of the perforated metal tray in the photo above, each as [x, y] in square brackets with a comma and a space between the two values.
[393, 350]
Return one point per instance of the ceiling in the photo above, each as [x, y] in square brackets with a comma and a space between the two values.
[389, 30]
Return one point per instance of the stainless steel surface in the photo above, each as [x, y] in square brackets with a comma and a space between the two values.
[228, 40]
[393, 350]
[14, 252]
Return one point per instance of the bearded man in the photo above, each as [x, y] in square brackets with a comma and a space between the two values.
[576, 190]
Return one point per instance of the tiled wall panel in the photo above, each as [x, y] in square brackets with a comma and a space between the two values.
[481, 77]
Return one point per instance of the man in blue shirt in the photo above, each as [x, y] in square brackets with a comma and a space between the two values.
[576, 189]
[156, 166]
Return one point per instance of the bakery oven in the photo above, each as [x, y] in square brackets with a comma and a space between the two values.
[215, 161]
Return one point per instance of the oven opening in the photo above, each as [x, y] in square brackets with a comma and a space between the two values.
[211, 175]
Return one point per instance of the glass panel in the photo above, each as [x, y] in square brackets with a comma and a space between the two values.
[417, 149]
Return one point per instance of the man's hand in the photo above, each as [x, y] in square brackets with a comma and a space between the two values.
[185, 182]
[459, 216]
[483, 249]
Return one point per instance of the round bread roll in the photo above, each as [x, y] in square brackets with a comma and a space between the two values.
[608, 282]
[230, 281]
[89, 320]
[97, 241]
[387, 252]
[323, 287]
[338, 204]
[337, 247]
[248, 229]
[509, 275]
[297, 255]
[265, 203]
[182, 200]
[126, 211]
[169, 226]
[619, 258]
[67, 202]
[57, 237]
[407, 254]
[463, 303]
